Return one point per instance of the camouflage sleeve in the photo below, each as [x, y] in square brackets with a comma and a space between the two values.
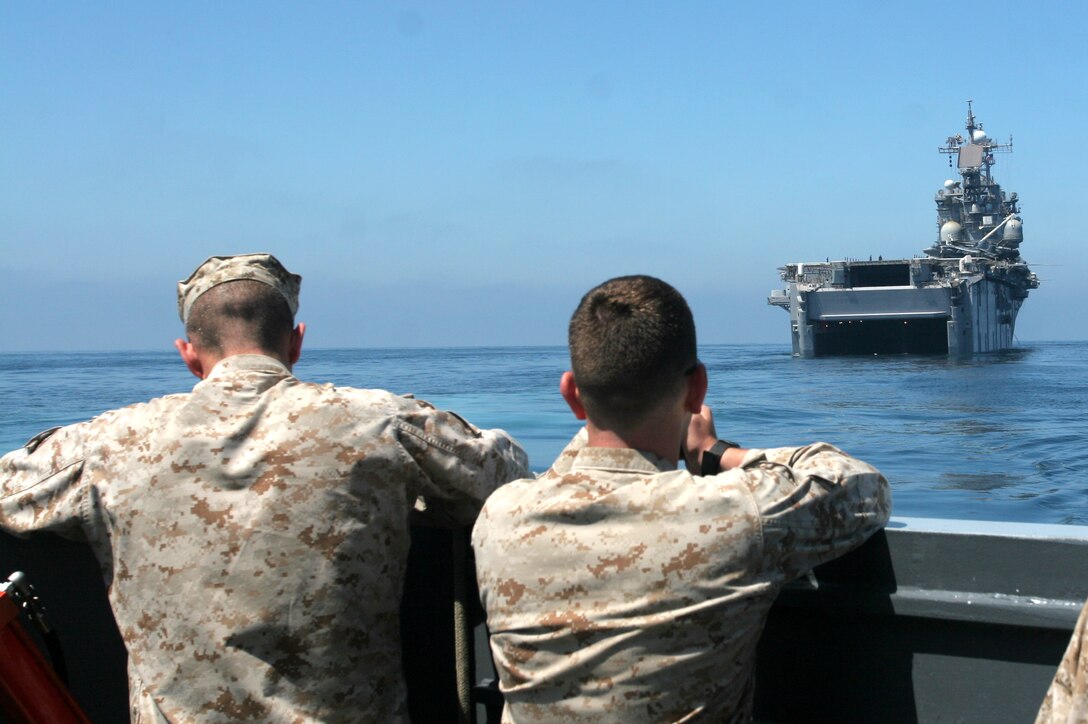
[816, 503]
[40, 483]
[1067, 698]
[459, 464]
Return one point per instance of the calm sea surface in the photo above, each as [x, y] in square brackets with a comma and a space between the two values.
[998, 437]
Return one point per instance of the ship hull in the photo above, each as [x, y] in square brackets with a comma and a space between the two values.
[967, 315]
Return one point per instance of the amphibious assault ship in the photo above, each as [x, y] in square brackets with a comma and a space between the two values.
[961, 297]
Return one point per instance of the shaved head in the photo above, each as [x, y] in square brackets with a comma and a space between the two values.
[240, 314]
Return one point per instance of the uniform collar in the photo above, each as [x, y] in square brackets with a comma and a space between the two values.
[620, 459]
[248, 363]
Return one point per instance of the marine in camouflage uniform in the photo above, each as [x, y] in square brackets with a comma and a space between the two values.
[1067, 700]
[619, 588]
[254, 532]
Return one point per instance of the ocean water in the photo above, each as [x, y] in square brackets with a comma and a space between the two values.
[994, 437]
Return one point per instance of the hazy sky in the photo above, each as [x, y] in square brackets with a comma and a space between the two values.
[460, 173]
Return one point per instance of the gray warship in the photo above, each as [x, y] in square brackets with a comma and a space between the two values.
[960, 298]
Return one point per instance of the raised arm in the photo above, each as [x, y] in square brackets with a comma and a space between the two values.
[40, 483]
[459, 463]
[816, 503]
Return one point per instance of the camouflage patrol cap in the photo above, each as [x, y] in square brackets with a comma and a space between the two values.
[263, 268]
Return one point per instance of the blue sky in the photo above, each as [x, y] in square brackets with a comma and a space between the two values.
[460, 173]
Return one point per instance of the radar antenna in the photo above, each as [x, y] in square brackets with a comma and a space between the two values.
[977, 161]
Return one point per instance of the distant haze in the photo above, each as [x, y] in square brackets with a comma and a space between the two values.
[449, 174]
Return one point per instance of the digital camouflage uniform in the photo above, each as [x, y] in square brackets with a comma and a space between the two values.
[618, 588]
[1067, 700]
[253, 534]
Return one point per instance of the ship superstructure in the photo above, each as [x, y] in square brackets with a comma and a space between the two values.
[961, 297]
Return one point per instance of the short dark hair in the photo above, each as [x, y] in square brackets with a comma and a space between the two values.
[632, 340]
[241, 312]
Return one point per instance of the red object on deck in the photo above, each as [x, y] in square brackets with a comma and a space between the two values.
[30, 691]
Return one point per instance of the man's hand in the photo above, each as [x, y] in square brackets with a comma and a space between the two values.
[701, 435]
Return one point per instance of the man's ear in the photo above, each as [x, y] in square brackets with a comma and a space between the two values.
[568, 388]
[696, 392]
[190, 357]
[295, 351]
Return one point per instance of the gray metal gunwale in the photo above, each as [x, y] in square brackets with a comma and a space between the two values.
[988, 572]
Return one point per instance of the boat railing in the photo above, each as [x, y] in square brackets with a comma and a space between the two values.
[931, 620]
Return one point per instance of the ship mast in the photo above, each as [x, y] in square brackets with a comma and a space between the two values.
[974, 213]
[979, 159]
